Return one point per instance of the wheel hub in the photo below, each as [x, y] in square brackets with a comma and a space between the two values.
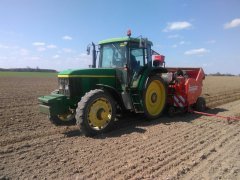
[154, 97]
[99, 114]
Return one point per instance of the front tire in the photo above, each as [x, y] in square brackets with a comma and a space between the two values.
[63, 119]
[154, 97]
[96, 112]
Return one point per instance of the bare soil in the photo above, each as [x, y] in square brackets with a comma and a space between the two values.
[187, 146]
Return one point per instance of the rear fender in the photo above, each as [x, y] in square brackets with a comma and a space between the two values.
[149, 73]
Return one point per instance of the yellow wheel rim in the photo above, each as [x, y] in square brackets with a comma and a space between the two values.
[66, 117]
[100, 114]
[155, 98]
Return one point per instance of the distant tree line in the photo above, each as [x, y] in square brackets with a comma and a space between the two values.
[220, 74]
[28, 69]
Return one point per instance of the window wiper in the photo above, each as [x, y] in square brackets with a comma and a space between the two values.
[116, 48]
[120, 52]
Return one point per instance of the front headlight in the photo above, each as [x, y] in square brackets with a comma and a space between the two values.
[66, 87]
[66, 82]
[60, 86]
[63, 84]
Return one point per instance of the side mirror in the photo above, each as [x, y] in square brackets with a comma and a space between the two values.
[140, 43]
[143, 42]
[88, 50]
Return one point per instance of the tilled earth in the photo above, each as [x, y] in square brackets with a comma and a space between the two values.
[187, 146]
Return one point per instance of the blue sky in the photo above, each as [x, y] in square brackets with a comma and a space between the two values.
[54, 33]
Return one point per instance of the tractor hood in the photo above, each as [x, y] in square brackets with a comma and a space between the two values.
[76, 83]
[88, 73]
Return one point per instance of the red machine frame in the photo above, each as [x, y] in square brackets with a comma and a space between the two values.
[185, 88]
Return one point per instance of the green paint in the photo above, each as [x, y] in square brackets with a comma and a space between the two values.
[93, 71]
[81, 81]
[122, 39]
[54, 104]
[51, 98]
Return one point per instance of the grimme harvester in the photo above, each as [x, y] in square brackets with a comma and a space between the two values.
[130, 77]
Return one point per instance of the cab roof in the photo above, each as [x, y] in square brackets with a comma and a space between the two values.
[122, 39]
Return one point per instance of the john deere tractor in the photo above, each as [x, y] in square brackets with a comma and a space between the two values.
[125, 80]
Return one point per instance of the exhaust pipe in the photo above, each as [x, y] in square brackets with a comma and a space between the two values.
[94, 56]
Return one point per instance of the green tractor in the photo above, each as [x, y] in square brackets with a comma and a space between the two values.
[125, 81]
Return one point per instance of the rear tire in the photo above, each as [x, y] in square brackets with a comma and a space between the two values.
[96, 113]
[154, 97]
[200, 104]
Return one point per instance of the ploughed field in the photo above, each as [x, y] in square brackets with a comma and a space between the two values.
[187, 146]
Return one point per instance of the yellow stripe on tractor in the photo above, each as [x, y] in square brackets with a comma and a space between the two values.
[86, 76]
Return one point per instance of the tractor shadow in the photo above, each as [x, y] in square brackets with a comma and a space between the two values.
[189, 117]
[215, 110]
[72, 133]
[135, 123]
[138, 123]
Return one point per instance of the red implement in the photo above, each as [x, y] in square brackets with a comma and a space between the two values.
[185, 88]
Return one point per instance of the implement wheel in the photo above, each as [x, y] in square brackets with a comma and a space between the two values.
[200, 105]
[171, 111]
[154, 97]
[96, 112]
[63, 119]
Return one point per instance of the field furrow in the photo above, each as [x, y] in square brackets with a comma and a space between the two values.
[187, 146]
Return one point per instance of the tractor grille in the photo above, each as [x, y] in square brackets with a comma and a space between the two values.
[64, 88]
[70, 87]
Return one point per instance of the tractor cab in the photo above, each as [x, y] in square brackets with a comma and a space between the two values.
[126, 52]
[129, 56]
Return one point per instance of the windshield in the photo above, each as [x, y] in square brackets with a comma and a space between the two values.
[113, 55]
